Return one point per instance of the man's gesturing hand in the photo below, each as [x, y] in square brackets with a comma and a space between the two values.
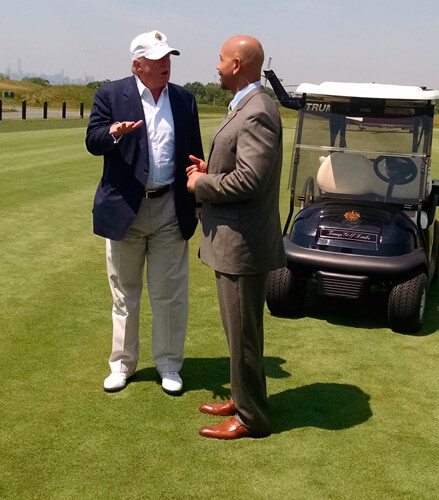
[121, 128]
[198, 165]
[195, 171]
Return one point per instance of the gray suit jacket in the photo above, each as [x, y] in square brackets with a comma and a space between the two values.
[241, 231]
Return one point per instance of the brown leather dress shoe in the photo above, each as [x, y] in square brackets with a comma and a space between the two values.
[226, 409]
[230, 429]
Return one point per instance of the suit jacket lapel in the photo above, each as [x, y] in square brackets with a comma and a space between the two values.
[233, 114]
[236, 109]
[135, 113]
[226, 120]
[179, 117]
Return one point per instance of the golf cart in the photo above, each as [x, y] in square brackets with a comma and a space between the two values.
[362, 197]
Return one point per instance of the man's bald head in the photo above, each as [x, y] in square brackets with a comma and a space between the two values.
[241, 62]
[249, 50]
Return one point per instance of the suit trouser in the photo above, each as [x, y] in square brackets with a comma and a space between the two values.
[241, 301]
[156, 237]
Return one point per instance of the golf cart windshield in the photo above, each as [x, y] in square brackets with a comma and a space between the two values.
[357, 148]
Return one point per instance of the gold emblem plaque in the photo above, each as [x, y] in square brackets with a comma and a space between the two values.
[352, 216]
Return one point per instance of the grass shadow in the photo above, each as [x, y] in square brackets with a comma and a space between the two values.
[370, 313]
[321, 405]
[211, 374]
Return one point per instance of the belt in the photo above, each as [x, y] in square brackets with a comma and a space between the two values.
[156, 193]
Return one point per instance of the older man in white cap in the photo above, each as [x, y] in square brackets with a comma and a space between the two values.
[146, 128]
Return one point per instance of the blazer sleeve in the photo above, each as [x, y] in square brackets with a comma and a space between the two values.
[257, 143]
[98, 139]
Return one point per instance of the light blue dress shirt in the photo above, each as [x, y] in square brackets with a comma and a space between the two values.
[242, 93]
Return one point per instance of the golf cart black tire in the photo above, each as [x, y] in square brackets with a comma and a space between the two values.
[285, 293]
[405, 310]
[435, 255]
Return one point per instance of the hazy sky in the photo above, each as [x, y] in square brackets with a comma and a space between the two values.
[386, 41]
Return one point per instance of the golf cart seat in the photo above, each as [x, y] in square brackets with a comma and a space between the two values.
[348, 174]
[353, 174]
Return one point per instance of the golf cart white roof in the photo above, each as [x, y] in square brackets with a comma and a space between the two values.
[368, 90]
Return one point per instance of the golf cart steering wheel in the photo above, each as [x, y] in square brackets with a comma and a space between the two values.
[395, 170]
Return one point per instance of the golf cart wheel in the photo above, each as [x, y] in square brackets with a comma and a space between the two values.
[435, 254]
[407, 305]
[285, 293]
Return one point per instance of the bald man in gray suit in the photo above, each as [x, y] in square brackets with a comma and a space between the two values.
[241, 234]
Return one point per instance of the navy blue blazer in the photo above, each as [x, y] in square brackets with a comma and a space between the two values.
[126, 164]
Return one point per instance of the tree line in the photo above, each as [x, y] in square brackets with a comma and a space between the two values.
[212, 93]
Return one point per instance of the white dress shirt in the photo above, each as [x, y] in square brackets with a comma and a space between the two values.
[161, 138]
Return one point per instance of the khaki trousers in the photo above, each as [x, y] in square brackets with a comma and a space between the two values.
[154, 237]
[241, 301]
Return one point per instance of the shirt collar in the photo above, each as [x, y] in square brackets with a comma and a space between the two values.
[242, 93]
[141, 87]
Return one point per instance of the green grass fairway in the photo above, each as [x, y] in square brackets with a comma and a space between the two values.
[355, 407]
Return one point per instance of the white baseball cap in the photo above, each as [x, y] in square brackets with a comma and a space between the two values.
[152, 45]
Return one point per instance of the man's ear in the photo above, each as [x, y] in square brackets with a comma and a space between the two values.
[136, 66]
[237, 65]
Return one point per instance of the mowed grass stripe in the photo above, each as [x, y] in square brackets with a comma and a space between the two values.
[48, 167]
[47, 243]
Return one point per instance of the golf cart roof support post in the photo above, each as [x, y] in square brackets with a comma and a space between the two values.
[284, 98]
[293, 171]
[337, 125]
[416, 136]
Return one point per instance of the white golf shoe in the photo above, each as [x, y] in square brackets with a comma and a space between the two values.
[116, 381]
[172, 383]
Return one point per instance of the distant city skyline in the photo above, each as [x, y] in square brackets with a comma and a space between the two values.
[60, 78]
